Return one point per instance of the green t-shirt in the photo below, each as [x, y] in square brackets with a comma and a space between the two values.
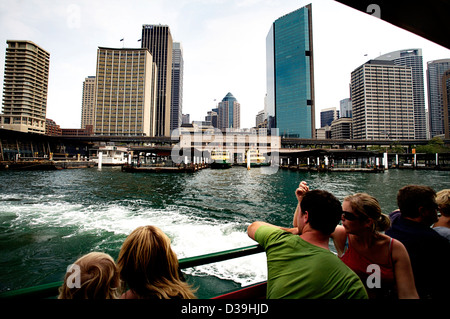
[298, 269]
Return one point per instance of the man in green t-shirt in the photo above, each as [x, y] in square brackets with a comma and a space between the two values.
[299, 262]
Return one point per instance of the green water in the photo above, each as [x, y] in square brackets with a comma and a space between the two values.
[49, 218]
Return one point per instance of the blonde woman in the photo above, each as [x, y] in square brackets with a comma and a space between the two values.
[93, 276]
[442, 226]
[149, 267]
[381, 262]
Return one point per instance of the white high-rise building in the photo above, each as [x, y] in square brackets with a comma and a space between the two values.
[413, 58]
[382, 101]
[125, 102]
[87, 103]
[25, 87]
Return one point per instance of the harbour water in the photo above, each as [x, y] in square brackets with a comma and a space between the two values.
[50, 218]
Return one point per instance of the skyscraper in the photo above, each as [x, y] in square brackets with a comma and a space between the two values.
[346, 108]
[382, 101]
[176, 108]
[328, 115]
[290, 74]
[229, 115]
[125, 92]
[446, 98]
[158, 40]
[435, 72]
[25, 87]
[413, 58]
[87, 103]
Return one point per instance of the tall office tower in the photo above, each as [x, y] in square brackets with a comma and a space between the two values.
[260, 118]
[446, 99]
[328, 115]
[212, 117]
[176, 106]
[290, 74]
[25, 87]
[158, 40]
[125, 92]
[87, 103]
[382, 101]
[346, 108]
[229, 115]
[435, 72]
[413, 58]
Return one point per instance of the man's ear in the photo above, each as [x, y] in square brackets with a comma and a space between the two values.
[306, 216]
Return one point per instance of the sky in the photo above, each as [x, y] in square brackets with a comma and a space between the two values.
[224, 46]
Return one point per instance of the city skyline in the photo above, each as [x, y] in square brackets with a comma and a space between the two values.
[344, 39]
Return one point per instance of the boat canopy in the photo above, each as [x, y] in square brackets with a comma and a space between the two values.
[428, 19]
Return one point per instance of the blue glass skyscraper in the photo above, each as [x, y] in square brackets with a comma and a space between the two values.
[290, 74]
[229, 115]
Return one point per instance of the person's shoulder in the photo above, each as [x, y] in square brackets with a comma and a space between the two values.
[269, 230]
[267, 233]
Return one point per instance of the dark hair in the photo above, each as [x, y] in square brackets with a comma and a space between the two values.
[324, 210]
[411, 197]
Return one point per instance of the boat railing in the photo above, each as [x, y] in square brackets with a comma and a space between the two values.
[50, 290]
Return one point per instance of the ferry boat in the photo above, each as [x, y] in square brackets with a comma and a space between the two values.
[256, 158]
[220, 159]
[111, 155]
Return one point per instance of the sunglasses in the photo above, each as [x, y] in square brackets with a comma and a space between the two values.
[351, 216]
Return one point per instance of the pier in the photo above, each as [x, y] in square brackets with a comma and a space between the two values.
[155, 154]
[162, 159]
[332, 160]
[340, 160]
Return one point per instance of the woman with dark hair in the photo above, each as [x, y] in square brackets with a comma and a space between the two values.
[382, 263]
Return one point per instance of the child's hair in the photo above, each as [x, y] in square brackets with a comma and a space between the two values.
[98, 278]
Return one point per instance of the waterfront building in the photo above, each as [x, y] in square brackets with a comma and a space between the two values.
[446, 99]
[51, 128]
[229, 115]
[25, 87]
[87, 131]
[328, 115]
[346, 108]
[341, 129]
[158, 40]
[290, 75]
[382, 101]
[176, 106]
[125, 92]
[236, 141]
[435, 72]
[87, 103]
[413, 58]
[185, 119]
[323, 133]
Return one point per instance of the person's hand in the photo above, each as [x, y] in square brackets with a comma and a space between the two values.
[301, 190]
